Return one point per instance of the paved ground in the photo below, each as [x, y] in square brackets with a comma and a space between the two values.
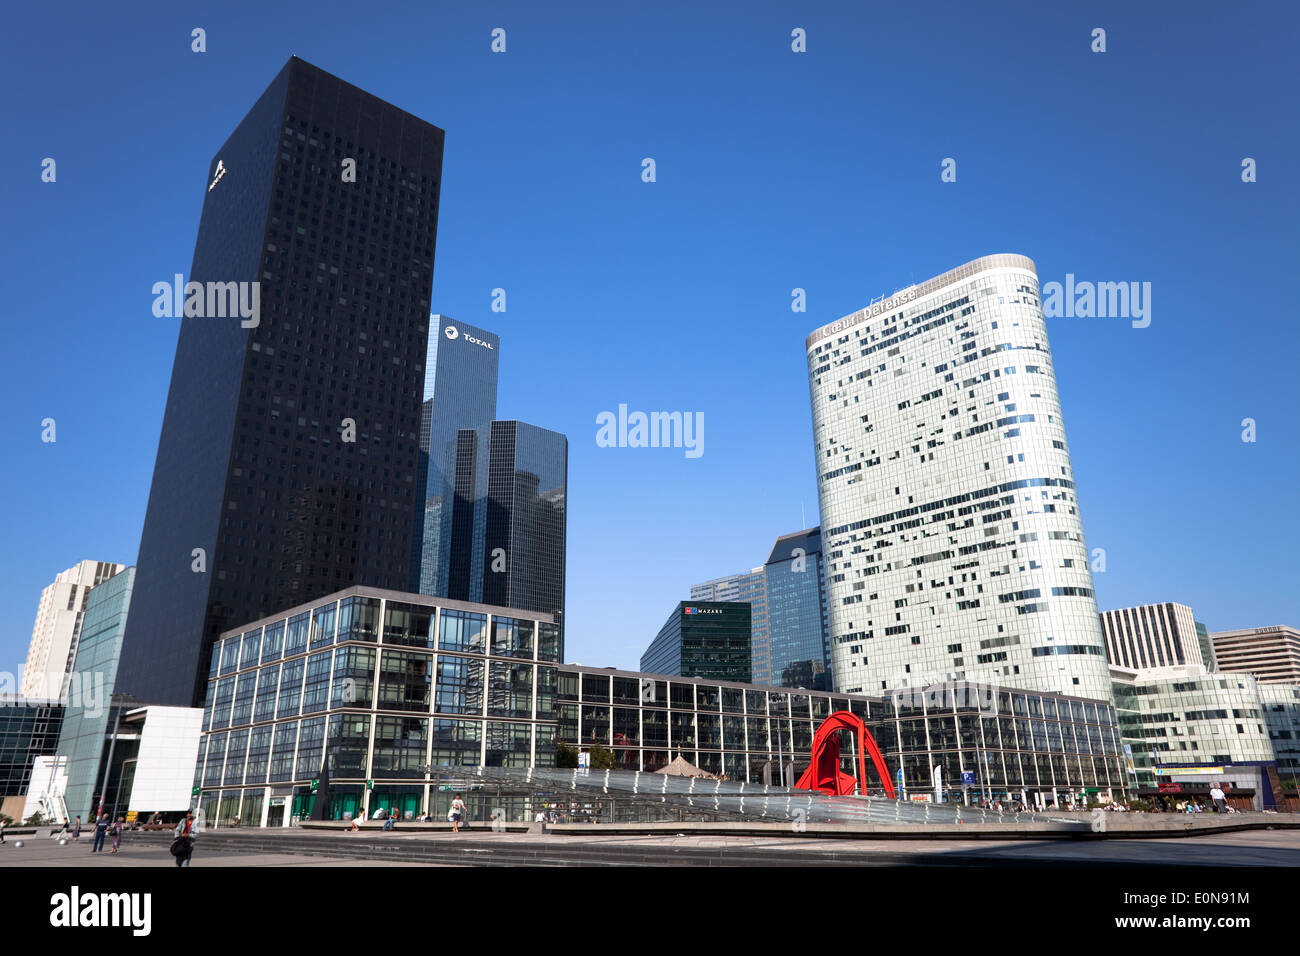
[1247, 848]
[46, 852]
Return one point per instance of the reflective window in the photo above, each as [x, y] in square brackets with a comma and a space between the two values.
[400, 746]
[405, 680]
[512, 637]
[358, 619]
[463, 631]
[273, 642]
[409, 624]
[322, 625]
[460, 685]
[510, 689]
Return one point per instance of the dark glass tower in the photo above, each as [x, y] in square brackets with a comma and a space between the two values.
[288, 462]
[460, 392]
[709, 639]
[797, 619]
[507, 525]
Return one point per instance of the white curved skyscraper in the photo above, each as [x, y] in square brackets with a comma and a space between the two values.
[950, 528]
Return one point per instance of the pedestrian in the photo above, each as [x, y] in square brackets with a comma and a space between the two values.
[391, 820]
[101, 831]
[457, 813]
[63, 834]
[356, 824]
[183, 844]
[76, 831]
[1216, 794]
[117, 834]
[2, 832]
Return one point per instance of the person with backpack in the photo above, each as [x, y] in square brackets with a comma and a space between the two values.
[183, 844]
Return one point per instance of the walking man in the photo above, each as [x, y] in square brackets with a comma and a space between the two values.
[186, 830]
[1220, 804]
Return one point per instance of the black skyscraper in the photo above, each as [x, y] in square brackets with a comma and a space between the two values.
[288, 462]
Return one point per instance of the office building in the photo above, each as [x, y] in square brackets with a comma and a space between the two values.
[289, 455]
[1042, 749]
[1152, 636]
[83, 741]
[1271, 654]
[1187, 731]
[1281, 704]
[460, 392]
[751, 588]
[1206, 644]
[953, 539]
[505, 534]
[58, 628]
[387, 685]
[798, 626]
[29, 730]
[707, 639]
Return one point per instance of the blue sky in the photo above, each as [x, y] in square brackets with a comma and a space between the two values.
[775, 170]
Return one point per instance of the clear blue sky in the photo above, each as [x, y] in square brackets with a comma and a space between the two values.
[776, 170]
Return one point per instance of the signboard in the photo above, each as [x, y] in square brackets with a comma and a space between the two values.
[315, 784]
[1128, 759]
[584, 759]
[370, 785]
[967, 777]
[132, 816]
[194, 792]
[1187, 771]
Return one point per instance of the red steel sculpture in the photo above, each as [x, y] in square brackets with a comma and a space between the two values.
[824, 773]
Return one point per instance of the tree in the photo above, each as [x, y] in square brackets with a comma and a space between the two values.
[602, 758]
[36, 820]
[566, 757]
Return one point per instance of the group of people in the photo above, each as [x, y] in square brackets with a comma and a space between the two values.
[104, 825]
[455, 816]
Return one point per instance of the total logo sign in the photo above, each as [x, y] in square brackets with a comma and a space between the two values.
[454, 333]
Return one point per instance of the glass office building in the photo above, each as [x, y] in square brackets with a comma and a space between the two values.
[703, 639]
[953, 538]
[289, 453]
[1042, 749]
[1188, 730]
[507, 526]
[385, 686]
[84, 737]
[750, 587]
[29, 729]
[460, 392]
[797, 622]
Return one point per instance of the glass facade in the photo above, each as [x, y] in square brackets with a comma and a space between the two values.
[1210, 720]
[507, 526]
[797, 622]
[83, 737]
[953, 538]
[289, 455]
[703, 639]
[440, 683]
[460, 393]
[1014, 744]
[28, 729]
